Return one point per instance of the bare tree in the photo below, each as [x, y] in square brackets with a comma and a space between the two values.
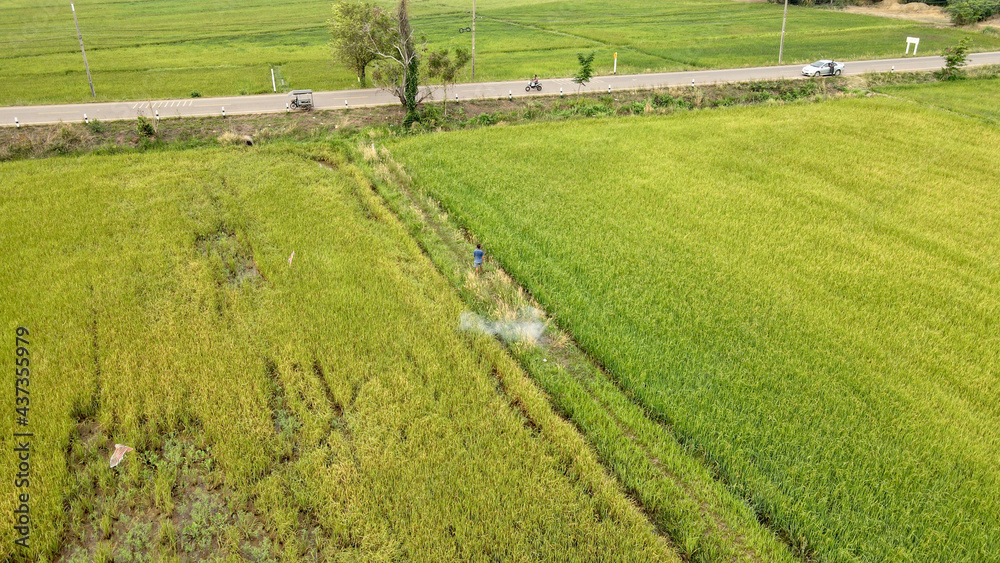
[399, 68]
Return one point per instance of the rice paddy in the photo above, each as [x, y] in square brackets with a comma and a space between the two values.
[805, 296]
[979, 98]
[320, 405]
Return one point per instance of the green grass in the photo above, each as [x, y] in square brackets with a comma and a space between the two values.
[805, 294]
[980, 98]
[323, 409]
[141, 51]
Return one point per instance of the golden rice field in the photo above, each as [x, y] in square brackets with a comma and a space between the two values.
[805, 296]
[321, 406]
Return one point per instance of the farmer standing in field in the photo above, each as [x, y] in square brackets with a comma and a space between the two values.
[477, 258]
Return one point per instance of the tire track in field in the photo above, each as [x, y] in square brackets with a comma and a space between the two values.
[95, 352]
[723, 529]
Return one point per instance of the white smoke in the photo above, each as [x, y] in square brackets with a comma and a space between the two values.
[526, 326]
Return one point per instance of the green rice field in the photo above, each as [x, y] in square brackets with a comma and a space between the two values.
[173, 48]
[979, 98]
[804, 295]
[319, 405]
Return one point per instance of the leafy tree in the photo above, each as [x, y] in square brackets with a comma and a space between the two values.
[586, 71]
[441, 64]
[360, 30]
[955, 58]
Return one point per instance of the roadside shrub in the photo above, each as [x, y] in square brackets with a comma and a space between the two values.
[967, 12]
[485, 119]
[955, 58]
[663, 100]
[195, 94]
[65, 140]
[97, 126]
[593, 109]
[637, 107]
[590, 107]
[533, 111]
[144, 127]
[431, 115]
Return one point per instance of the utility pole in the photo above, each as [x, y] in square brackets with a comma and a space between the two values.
[473, 40]
[781, 47]
[80, 35]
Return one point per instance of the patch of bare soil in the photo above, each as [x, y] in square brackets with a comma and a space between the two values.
[989, 22]
[160, 503]
[914, 11]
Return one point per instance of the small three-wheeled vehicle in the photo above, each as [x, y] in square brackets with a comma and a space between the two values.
[301, 99]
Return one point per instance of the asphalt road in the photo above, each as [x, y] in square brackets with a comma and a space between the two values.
[271, 103]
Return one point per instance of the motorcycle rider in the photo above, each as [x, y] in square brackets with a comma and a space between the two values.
[534, 81]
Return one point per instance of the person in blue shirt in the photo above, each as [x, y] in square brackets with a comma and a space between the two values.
[477, 256]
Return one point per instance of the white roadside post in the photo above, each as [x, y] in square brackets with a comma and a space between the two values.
[615, 71]
[223, 111]
[157, 116]
[510, 95]
[85, 120]
[17, 123]
[274, 88]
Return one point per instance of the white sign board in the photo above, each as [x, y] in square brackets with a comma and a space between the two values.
[915, 41]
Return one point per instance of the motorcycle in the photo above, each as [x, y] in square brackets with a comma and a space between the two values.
[533, 84]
